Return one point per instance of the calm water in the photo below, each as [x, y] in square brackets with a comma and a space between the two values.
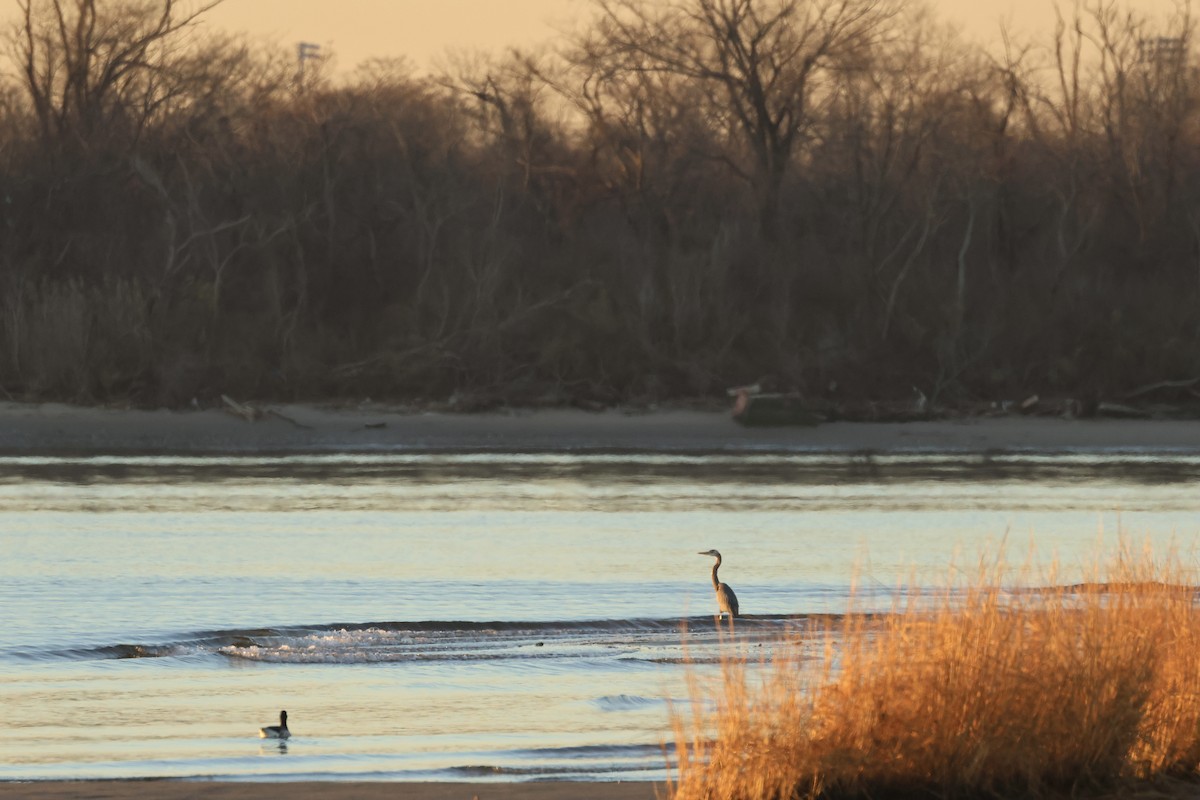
[434, 617]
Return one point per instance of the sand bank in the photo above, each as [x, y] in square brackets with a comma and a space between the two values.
[55, 428]
[321, 790]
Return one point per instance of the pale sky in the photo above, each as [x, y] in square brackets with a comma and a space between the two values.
[423, 30]
[420, 30]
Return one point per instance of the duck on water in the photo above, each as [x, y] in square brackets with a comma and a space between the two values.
[279, 731]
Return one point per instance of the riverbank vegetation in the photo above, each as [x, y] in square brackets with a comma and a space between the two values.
[842, 197]
[975, 692]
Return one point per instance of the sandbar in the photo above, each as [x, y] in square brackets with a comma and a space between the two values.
[52, 428]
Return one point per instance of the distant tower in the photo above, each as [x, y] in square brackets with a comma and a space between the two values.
[305, 51]
[1163, 51]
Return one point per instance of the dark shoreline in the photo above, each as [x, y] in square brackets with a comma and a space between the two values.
[53, 429]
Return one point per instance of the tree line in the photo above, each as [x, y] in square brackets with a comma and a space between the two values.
[844, 198]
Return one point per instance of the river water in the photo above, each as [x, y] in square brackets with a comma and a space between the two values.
[491, 617]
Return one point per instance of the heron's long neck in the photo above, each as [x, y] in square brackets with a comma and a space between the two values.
[716, 566]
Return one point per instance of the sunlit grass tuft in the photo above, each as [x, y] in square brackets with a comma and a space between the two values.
[974, 691]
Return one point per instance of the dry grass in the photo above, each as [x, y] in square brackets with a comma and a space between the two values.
[983, 692]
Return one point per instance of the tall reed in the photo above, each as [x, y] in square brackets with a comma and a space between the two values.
[974, 691]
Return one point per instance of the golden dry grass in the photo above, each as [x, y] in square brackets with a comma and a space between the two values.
[975, 692]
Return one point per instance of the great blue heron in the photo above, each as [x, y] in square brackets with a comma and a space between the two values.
[279, 731]
[726, 599]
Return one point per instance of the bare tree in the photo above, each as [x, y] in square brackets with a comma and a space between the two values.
[88, 65]
[761, 64]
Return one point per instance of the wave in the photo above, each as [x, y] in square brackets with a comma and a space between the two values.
[648, 640]
[593, 770]
[1144, 464]
[596, 751]
[590, 761]
[139, 651]
[626, 702]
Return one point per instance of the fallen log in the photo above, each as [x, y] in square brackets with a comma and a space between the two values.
[1120, 411]
[1155, 387]
[771, 410]
[243, 410]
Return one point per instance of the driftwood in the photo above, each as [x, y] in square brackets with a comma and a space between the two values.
[243, 410]
[752, 408]
[252, 414]
[1154, 387]
[1121, 411]
[742, 395]
[286, 418]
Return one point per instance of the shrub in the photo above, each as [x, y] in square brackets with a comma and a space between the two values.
[977, 691]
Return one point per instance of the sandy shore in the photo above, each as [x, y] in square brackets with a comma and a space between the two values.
[314, 790]
[54, 428]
